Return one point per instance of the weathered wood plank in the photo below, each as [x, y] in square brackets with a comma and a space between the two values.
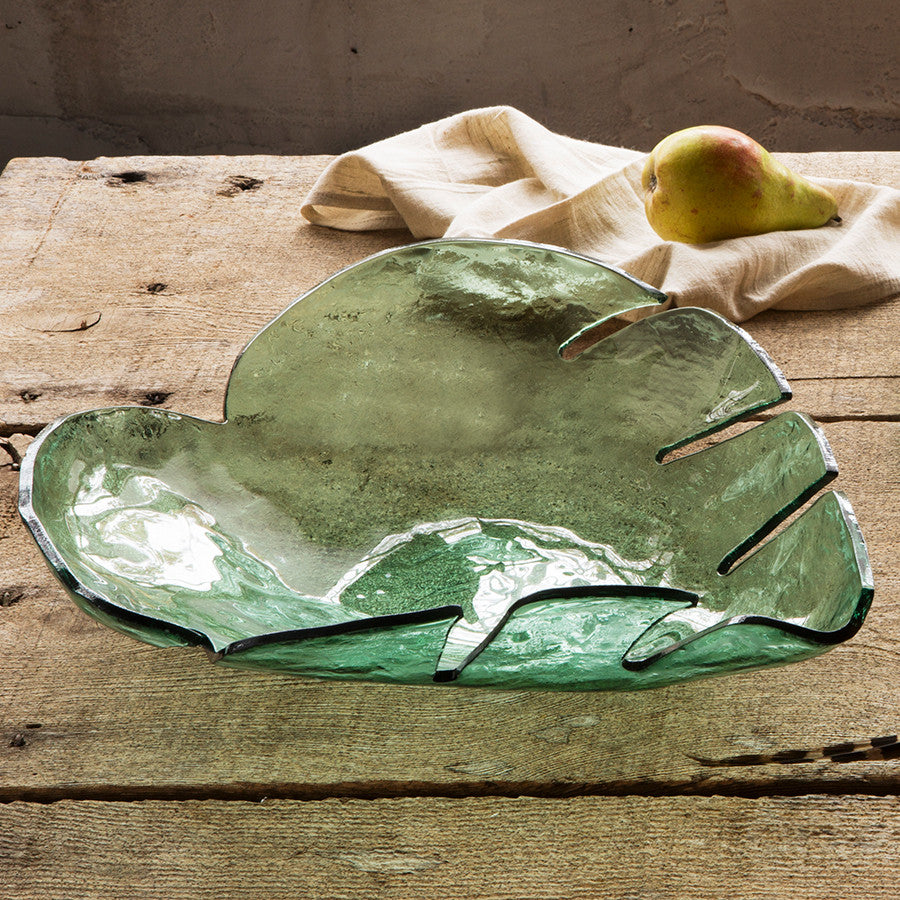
[629, 847]
[29, 197]
[121, 719]
[833, 344]
[847, 398]
[184, 259]
[182, 265]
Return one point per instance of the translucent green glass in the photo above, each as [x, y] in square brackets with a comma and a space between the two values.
[432, 468]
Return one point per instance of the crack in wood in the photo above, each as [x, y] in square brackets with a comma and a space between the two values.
[11, 596]
[31, 429]
[80, 322]
[236, 184]
[7, 446]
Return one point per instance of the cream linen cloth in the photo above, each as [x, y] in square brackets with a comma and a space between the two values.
[497, 173]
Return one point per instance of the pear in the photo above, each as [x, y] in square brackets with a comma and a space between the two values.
[709, 183]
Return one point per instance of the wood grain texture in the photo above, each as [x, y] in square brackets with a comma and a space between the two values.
[138, 280]
[182, 265]
[119, 718]
[184, 259]
[631, 848]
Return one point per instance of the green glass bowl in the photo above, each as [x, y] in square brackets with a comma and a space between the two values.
[434, 466]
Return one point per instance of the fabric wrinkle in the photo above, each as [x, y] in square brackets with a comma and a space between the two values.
[497, 173]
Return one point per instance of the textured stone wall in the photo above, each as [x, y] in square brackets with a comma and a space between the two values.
[82, 78]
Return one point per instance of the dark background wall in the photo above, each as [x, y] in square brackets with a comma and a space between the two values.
[81, 78]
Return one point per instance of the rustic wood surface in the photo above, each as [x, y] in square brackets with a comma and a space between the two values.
[590, 848]
[131, 771]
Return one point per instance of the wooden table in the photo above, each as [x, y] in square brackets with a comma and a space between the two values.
[127, 771]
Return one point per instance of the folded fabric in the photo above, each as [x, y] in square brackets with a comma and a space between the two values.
[496, 172]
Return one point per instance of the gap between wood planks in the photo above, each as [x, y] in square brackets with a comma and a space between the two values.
[694, 786]
[832, 420]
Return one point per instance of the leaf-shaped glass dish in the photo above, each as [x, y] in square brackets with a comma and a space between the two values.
[432, 468]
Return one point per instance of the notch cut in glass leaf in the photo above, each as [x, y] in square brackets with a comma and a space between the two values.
[411, 483]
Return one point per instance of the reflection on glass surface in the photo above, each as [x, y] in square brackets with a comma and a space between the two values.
[430, 468]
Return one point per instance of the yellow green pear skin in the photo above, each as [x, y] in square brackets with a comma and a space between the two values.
[711, 183]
